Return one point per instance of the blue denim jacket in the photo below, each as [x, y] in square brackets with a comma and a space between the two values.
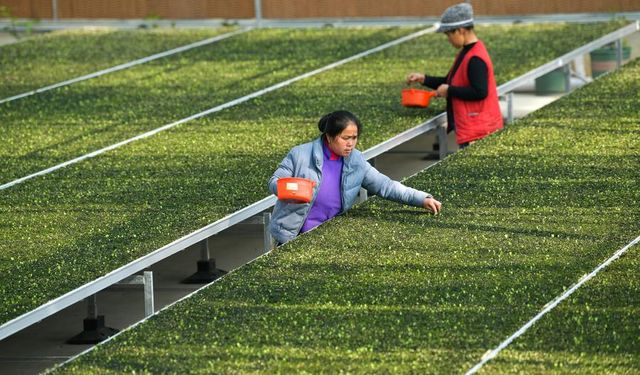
[306, 161]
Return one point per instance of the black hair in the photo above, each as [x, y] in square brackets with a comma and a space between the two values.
[334, 123]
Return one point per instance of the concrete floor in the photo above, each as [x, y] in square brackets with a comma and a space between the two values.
[43, 345]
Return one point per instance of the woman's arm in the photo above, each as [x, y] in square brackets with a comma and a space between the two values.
[432, 82]
[285, 169]
[379, 184]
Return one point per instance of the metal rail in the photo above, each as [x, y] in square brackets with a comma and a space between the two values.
[222, 107]
[256, 208]
[113, 277]
[48, 25]
[128, 64]
[568, 57]
[405, 136]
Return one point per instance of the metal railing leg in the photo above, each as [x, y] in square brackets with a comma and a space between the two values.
[148, 293]
[268, 240]
[618, 53]
[443, 148]
[510, 107]
[363, 195]
[258, 12]
[54, 9]
[94, 328]
[92, 307]
[567, 78]
[206, 267]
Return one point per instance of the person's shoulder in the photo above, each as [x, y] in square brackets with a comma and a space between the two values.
[302, 149]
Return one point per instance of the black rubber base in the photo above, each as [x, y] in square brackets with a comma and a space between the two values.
[207, 272]
[94, 332]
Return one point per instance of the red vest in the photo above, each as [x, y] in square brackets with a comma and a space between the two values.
[477, 118]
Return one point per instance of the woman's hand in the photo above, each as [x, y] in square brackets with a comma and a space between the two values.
[432, 205]
[443, 90]
[415, 77]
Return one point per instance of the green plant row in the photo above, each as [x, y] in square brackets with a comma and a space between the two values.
[90, 218]
[595, 332]
[61, 55]
[391, 289]
[72, 121]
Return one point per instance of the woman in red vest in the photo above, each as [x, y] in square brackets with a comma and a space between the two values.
[473, 110]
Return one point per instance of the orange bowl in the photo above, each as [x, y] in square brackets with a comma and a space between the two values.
[416, 98]
[298, 190]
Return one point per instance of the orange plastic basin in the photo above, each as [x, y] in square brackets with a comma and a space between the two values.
[298, 190]
[416, 98]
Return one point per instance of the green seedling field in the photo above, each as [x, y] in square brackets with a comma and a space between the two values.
[390, 289]
[88, 219]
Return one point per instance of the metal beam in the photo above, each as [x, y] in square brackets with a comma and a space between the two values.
[258, 12]
[568, 57]
[93, 287]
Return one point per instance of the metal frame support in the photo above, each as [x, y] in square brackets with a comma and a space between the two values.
[92, 307]
[148, 293]
[54, 9]
[443, 142]
[146, 280]
[618, 53]
[268, 240]
[363, 195]
[566, 70]
[258, 9]
[509, 107]
[94, 328]
[206, 267]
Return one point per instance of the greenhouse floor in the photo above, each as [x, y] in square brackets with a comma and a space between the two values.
[43, 345]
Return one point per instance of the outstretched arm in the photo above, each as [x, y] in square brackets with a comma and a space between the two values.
[380, 184]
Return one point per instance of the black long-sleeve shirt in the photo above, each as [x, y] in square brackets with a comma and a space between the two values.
[478, 89]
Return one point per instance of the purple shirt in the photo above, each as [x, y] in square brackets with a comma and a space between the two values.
[328, 202]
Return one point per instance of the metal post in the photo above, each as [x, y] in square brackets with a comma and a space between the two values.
[54, 9]
[268, 240]
[258, 6]
[204, 250]
[363, 195]
[148, 293]
[443, 141]
[618, 53]
[206, 267]
[92, 307]
[510, 107]
[567, 78]
[94, 328]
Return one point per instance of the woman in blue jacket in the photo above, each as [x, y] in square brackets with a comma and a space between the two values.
[339, 171]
